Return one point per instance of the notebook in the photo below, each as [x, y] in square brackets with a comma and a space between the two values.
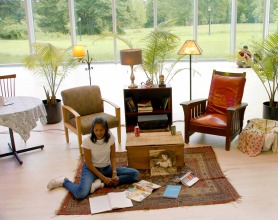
[172, 191]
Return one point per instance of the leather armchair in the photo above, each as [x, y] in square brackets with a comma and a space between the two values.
[80, 106]
[222, 113]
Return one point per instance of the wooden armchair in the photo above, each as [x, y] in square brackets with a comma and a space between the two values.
[222, 113]
[80, 106]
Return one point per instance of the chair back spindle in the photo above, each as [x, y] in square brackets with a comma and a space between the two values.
[7, 85]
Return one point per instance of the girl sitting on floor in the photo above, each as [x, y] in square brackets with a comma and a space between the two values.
[100, 164]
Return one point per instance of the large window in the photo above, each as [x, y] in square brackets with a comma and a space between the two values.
[134, 21]
[250, 15]
[13, 32]
[93, 18]
[51, 21]
[181, 12]
[273, 16]
[214, 28]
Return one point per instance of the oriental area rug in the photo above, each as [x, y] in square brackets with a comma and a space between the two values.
[212, 188]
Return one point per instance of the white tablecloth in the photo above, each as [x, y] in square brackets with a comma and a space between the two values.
[22, 115]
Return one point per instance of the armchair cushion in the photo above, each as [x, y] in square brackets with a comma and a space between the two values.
[225, 91]
[85, 100]
[86, 121]
[210, 120]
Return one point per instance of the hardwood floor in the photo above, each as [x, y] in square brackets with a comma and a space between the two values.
[23, 193]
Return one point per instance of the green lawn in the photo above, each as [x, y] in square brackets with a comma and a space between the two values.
[215, 45]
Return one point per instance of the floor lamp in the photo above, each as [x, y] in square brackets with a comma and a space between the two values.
[79, 52]
[131, 57]
[190, 47]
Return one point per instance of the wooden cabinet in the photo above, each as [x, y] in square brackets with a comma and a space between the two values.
[157, 97]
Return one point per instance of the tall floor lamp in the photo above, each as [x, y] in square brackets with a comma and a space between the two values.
[131, 57]
[79, 52]
[190, 47]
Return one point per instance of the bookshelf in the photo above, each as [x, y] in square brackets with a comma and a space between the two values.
[156, 94]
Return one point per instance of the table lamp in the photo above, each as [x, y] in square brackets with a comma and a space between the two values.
[190, 47]
[79, 52]
[131, 57]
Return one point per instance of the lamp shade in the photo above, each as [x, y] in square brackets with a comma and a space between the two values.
[131, 56]
[78, 51]
[190, 47]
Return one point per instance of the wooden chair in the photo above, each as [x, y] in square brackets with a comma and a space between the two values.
[7, 85]
[80, 106]
[222, 113]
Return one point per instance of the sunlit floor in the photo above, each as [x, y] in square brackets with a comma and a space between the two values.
[23, 193]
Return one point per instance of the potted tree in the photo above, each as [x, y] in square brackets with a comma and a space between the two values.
[52, 64]
[160, 43]
[265, 65]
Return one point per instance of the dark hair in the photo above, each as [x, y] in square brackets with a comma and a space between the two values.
[100, 120]
[165, 153]
[245, 47]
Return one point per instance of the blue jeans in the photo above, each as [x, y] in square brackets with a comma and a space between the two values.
[82, 190]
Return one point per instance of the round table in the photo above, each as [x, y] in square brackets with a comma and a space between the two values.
[20, 114]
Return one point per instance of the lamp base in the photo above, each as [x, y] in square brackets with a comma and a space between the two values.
[132, 86]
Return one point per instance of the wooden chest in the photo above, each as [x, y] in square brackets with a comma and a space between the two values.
[138, 147]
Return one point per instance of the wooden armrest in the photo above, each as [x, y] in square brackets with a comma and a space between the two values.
[237, 107]
[195, 101]
[193, 108]
[117, 108]
[110, 103]
[71, 110]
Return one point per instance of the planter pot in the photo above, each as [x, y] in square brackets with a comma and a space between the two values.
[54, 112]
[270, 112]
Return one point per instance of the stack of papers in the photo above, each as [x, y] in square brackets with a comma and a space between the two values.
[145, 106]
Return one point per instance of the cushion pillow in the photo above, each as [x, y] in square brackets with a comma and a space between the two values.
[225, 91]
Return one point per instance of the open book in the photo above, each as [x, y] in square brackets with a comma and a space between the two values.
[113, 200]
[141, 190]
[187, 179]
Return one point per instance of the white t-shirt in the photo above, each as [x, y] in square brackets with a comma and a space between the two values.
[100, 150]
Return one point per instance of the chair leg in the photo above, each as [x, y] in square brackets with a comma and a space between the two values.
[186, 138]
[119, 134]
[67, 134]
[186, 134]
[79, 136]
[228, 143]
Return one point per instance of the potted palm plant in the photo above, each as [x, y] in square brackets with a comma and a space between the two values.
[265, 65]
[160, 43]
[52, 64]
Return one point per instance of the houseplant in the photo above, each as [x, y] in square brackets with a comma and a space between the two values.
[52, 64]
[265, 65]
[160, 43]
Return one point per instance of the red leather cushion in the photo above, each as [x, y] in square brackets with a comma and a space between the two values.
[225, 91]
[210, 120]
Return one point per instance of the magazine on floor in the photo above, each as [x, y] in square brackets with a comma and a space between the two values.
[141, 190]
[172, 191]
[187, 179]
